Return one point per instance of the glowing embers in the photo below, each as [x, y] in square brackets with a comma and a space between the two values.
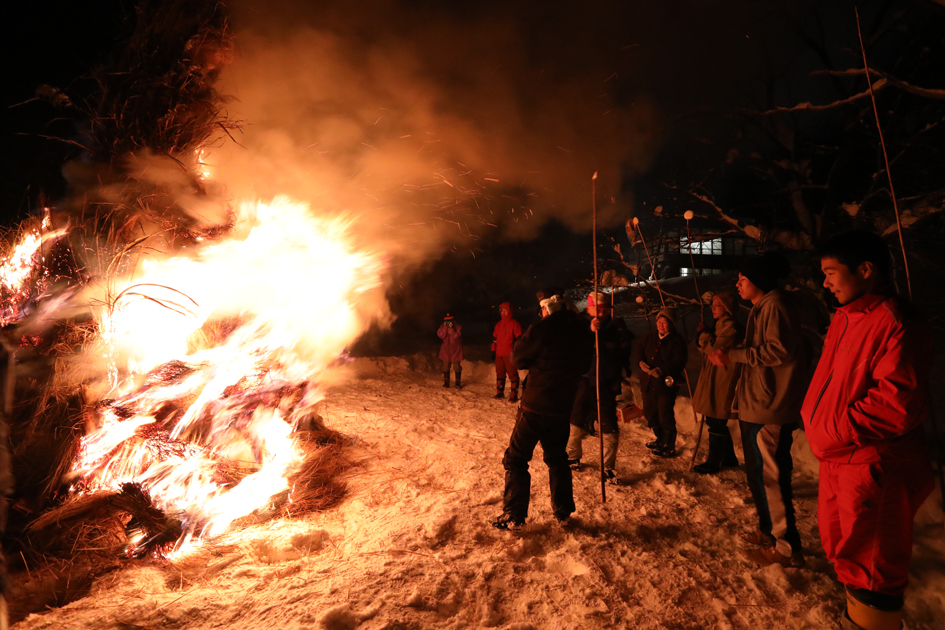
[22, 272]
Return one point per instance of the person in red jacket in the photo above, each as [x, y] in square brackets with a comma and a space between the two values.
[506, 333]
[863, 418]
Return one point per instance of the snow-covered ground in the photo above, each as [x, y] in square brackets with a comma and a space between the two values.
[411, 546]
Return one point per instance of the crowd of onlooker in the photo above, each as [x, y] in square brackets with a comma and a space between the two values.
[861, 405]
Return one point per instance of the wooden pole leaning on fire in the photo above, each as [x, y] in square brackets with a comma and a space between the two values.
[636, 224]
[692, 263]
[600, 424]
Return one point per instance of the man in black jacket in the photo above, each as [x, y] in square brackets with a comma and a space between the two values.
[556, 351]
[664, 358]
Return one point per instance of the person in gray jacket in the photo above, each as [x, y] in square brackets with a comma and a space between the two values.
[770, 390]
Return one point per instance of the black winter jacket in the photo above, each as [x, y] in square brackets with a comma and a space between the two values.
[556, 351]
[669, 356]
[616, 344]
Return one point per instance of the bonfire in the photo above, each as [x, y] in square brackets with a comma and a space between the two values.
[174, 343]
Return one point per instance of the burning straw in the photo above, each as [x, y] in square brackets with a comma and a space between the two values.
[137, 431]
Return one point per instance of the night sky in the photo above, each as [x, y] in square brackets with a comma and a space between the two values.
[534, 95]
[683, 56]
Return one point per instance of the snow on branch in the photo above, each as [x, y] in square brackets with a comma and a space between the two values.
[898, 83]
[797, 240]
[810, 107]
[883, 81]
[926, 206]
[750, 230]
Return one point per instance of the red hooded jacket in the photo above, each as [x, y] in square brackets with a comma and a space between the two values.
[869, 394]
[506, 332]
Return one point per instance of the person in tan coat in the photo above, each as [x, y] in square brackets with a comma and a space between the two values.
[716, 387]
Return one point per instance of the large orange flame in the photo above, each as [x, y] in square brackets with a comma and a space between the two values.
[214, 357]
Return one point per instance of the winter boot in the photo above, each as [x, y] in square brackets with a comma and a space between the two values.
[871, 616]
[508, 522]
[656, 444]
[446, 379]
[459, 379]
[513, 395]
[499, 388]
[713, 463]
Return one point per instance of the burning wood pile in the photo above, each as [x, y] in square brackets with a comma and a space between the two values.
[172, 347]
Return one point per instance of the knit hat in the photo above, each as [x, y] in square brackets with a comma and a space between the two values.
[547, 292]
[665, 313]
[727, 299]
[764, 271]
[448, 317]
[553, 303]
[598, 298]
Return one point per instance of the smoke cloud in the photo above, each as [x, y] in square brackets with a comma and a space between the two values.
[432, 126]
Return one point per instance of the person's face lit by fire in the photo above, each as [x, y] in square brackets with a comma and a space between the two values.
[747, 290]
[847, 285]
[504, 312]
[718, 309]
[601, 311]
[663, 326]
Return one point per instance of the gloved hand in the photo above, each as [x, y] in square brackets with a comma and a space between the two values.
[493, 347]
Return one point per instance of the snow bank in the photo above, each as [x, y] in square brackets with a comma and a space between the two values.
[411, 547]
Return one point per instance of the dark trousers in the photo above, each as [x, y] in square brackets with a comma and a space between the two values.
[584, 413]
[769, 465]
[503, 366]
[718, 426]
[659, 414]
[552, 432]
[457, 366]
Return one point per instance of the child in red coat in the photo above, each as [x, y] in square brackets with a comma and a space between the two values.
[506, 333]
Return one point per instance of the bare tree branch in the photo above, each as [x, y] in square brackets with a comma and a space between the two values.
[810, 107]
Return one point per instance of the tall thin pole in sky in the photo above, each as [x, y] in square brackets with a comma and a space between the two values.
[882, 143]
[600, 424]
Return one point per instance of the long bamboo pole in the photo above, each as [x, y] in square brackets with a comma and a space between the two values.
[882, 143]
[692, 265]
[902, 243]
[600, 424]
[636, 222]
[688, 215]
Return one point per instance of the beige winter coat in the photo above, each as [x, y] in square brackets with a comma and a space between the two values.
[775, 363]
[716, 387]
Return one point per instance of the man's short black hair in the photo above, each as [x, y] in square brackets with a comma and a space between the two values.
[854, 248]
